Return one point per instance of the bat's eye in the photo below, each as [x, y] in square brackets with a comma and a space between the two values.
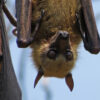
[52, 54]
[69, 55]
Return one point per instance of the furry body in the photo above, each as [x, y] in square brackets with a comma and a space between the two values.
[59, 15]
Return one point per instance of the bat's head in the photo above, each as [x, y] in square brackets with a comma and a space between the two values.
[55, 57]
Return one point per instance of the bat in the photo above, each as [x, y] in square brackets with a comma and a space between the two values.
[54, 30]
[9, 88]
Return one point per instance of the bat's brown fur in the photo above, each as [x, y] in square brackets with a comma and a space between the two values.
[59, 15]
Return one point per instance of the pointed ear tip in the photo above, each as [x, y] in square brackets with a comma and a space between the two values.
[71, 89]
[69, 81]
[34, 85]
[38, 77]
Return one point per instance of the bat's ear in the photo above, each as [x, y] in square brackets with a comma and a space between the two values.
[91, 37]
[69, 81]
[23, 14]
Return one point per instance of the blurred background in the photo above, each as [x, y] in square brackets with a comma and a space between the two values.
[86, 73]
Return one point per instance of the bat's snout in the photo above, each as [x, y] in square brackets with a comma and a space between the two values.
[63, 34]
[60, 44]
[60, 40]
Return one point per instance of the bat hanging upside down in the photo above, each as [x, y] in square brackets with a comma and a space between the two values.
[53, 29]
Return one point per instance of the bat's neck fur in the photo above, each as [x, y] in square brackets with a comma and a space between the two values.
[59, 15]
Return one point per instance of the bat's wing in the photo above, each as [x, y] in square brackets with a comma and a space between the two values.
[23, 14]
[24, 11]
[9, 88]
[91, 37]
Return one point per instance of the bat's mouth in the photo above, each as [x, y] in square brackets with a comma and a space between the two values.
[60, 44]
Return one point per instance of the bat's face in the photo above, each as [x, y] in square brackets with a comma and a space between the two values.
[55, 57]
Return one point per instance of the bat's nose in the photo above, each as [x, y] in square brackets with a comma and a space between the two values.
[60, 40]
[60, 43]
[63, 41]
[63, 34]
